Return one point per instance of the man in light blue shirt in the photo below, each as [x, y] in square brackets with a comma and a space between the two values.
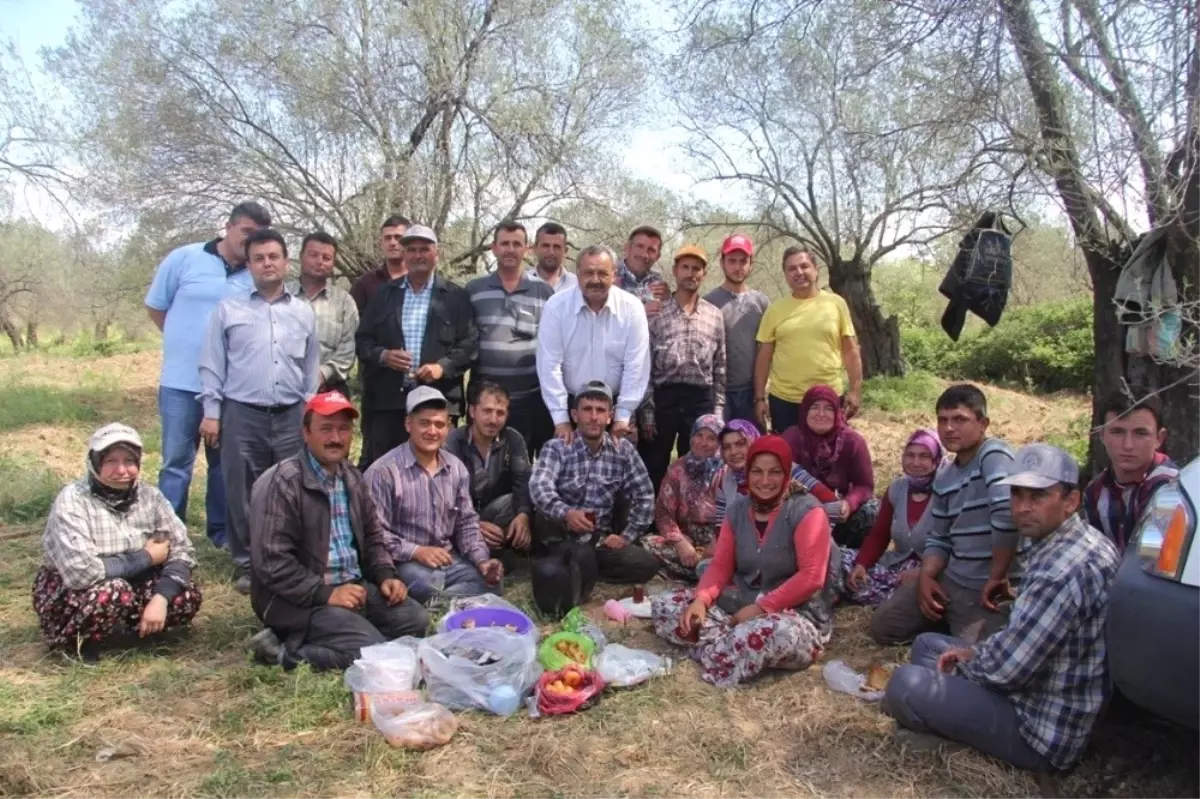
[259, 365]
[186, 288]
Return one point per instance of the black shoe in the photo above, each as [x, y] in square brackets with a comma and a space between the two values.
[241, 580]
[89, 653]
[266, 647]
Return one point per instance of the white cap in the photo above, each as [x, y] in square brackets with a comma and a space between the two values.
[419, 233]
[423, 394]
[114, 433]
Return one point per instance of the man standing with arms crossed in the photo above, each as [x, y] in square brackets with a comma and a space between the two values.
[334, 309]
[743, 308]
[258, 368]
[186, 288]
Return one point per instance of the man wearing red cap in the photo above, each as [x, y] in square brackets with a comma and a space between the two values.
[322, 580]
[743, 308]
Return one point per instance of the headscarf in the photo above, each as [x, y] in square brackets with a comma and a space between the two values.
[703, 469]
[771, 445]
[928, 439]
[104, 440]
[822, 450]
[747, 429]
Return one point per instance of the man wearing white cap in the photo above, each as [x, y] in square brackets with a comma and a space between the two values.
[423, 494]
[416, 331]
[1030, 693]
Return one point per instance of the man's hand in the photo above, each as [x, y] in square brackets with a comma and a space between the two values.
[952, 657]
[210, 431]
[687, 553]
[852, 402]
[761, 414]
[492, 534]
[154, 617]
[909, 575]
[578, 522]
[432, 557]
[430, 373]
[394, 591]
[518, 532]
[398, 360]
[492, 571]
[614, 542]
[350, 596]
[660, 290]
[931, 598]
[158, 549]
[746, 614]
[621, 429]
[564, 432]
[857, 578]
[995, 591]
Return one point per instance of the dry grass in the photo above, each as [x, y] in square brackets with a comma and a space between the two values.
[195, 718]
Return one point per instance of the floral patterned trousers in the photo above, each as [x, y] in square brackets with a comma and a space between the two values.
[69, 617]
[882, 581]
[701, 536]
[731, 655]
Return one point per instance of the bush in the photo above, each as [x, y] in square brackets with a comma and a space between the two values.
[1044, 348]
[917, 390]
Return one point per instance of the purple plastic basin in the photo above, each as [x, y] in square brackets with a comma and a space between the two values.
[490, 617]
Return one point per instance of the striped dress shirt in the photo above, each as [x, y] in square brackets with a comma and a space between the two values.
[337, 321]
[508, 326]
[420, 509]
[259, 352]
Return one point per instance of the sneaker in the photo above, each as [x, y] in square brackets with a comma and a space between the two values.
[266, 647]
[241, 581]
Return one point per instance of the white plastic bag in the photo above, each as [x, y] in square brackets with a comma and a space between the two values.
[623, 667]
[423, 726]
[385, 676]
[841, 677]
[486, 668]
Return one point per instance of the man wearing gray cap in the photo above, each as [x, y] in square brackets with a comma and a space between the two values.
[416, 331]
[1030, 693]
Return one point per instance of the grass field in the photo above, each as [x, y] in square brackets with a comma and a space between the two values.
[191, 716]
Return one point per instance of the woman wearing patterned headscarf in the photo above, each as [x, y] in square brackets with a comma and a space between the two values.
[685, 512]
[876, 571]
[116, 555]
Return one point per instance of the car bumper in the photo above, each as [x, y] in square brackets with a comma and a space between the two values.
[1154, 643]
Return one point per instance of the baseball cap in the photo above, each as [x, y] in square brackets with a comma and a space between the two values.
[692, 250]
[114, 433]
[1042, 466]
[421, 233]
[737, 242]
[329, 403]
[422, 395]
[596, 388]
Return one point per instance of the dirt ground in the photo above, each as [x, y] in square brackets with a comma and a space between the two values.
[191, 716]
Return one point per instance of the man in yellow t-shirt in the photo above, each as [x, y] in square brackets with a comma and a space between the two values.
[805, 340]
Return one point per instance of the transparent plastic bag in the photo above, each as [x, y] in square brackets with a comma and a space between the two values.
[841, 677]
[424, 726]
[487, 669]
[622, 667]
[385, 677]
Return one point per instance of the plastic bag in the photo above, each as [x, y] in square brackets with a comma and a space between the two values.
[424, 726]
[552, 657]
[622, 667]
[578, 622]
[385, 677]
[841, 677]
[459, 604]
[556, 696]
[487, 669]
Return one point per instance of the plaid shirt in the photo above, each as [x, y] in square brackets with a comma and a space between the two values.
[337, 321]
[420, 509]
[1050, 659]
[343, 557]
[1114, 508]
[639, 287]
[568, 477]
[689, 348]
[413, 317]
[81, 531]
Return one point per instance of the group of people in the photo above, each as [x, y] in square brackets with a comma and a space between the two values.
[582, 388]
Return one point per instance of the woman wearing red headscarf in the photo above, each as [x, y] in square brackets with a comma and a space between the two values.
[766, 601]
[838, 458]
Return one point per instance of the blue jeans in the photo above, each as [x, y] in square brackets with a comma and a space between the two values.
[460, 578]
[784, 414]
[739, 404]
[180, 414]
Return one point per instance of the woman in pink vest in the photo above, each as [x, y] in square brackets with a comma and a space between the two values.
[766, 601]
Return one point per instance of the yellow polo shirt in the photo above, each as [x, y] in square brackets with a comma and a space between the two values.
[807, 335]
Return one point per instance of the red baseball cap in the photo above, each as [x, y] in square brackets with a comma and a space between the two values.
[329, 403]
[737, 242]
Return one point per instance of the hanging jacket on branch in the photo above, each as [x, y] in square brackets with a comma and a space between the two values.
[980, 277]
[1147, 300]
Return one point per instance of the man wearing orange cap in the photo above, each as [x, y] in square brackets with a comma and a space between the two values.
[687, 369]
[321, 578]
[743, 309]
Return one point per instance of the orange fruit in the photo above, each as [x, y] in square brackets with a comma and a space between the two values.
[573, 679]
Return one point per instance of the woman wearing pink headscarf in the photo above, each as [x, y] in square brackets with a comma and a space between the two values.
[875, 571]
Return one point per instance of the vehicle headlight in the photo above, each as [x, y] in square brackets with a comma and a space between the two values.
[1165, 532]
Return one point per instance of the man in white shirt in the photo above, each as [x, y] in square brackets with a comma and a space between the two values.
[593, 332]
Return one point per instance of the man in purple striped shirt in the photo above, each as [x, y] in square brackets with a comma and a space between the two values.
[424, 497]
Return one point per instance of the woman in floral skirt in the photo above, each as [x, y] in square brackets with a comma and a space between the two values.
[766, 601]
[116, 556]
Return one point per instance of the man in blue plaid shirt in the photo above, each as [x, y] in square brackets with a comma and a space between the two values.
[1030, 693]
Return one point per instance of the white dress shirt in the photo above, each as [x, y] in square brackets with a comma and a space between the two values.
[577, 345]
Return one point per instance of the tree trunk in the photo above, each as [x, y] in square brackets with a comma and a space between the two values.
[9, 326]
[878, 337]
[31, 334]
[1108, 338]
[100, 331]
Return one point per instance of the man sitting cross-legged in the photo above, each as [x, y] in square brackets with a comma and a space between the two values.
[580, 491]
[321, 578]
[424, 496]
[1030, 693]
[498, 462]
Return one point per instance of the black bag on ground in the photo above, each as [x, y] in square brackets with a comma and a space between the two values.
[980, 277]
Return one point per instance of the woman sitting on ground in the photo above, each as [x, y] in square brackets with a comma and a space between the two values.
[766, 601]
[838, 459]
[876, 571]
[685, 512]
[736, 439]
[115, 553]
